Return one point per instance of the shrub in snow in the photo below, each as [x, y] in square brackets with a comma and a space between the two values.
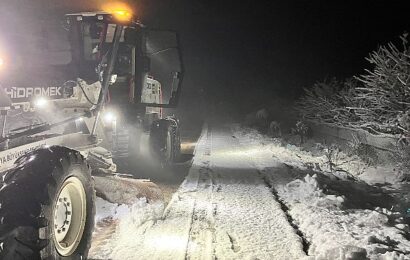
[386, 88]
[377, 101]
[258, 119]
[403, 157]
[332, 156]
[327, 102]
[301, 129]
[275, 129]
[365, 152]
[404, 121]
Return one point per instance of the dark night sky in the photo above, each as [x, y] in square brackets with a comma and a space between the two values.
[260, 49]
[249, 52]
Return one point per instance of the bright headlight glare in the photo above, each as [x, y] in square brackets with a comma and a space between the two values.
[109, 117]
[40, 102]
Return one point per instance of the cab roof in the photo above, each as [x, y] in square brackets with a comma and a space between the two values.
[88, 14]
[97, 15]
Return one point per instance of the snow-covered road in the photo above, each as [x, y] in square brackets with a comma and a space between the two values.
[223, 210]
[247, 196]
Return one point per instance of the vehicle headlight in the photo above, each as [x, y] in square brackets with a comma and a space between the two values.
[40, 102]
[109, 117]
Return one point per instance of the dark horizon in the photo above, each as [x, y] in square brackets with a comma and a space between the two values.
[253, 52]
[248, 53]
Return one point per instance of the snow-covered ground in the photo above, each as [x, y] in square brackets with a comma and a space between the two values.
[341, 217]
[249, 197]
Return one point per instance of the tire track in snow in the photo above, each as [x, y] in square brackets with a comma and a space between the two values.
[202, 228]
[250, 223]
[223, 210]
[202, 231]
[285, 209]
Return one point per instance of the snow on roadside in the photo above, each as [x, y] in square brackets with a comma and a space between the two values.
[117, 225]
[104, 209]
[333, 230]
[148, 231]
[313, 155]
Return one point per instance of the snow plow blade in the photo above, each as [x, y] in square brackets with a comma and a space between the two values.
[127, 191]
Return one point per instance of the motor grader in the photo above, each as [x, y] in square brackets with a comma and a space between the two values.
[72, 106]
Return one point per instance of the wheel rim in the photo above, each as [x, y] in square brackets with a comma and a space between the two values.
[69, 216]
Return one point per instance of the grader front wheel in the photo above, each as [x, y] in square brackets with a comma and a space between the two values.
[69, 216]
[71, 212]
[47, 207]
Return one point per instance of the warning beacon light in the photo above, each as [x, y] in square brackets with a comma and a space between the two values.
[122, 12]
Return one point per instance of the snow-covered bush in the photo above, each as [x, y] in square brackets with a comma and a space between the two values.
[301, 129]
[385, 92]
[403, 160]
[327, 102]
[365, 152]
[377, 101]
[332, 154]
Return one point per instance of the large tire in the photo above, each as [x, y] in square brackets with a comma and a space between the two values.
[173, 145]
[165, 141]
[34, 212]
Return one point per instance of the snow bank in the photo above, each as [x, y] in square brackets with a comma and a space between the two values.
[334, 212]
[336, 233]
[118, 225]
